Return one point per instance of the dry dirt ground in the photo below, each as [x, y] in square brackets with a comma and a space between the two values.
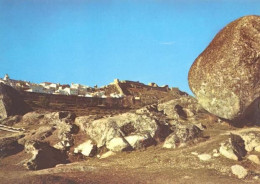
[151, 165]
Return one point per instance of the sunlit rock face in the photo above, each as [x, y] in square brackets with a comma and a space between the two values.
[225, 77]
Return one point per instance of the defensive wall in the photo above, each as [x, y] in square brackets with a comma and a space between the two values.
[77, 101]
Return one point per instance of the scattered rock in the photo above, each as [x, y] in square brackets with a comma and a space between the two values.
[43, 155]
[181, 134]
[194, 153]
[107, 154]
[87, 149]
[222, 90]
[239, 171]
[204, 157]
[256, 177]
[11, 103]
[234, 148]
[254, 158]
[118, 144]
[216, 153]
[227, 151]
[251, 139]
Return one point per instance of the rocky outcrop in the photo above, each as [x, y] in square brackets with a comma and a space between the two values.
[233, 148]
[57, 128]
[43, 155]
[114, 132]
[181, 108]
[251, 140]
[181, 135]
[11, 102]
[170, 122]
[225, 77]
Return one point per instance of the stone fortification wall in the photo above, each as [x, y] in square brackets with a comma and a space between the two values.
[76, 101]
[134, 88]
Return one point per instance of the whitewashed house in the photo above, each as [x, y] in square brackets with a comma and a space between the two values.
[71, 91]
[36, 89]
[82, 89]
[45, 84]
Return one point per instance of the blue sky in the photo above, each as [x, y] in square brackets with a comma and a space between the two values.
[93, 41]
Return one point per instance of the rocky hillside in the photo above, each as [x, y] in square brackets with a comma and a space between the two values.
[156, 143]
[169, 138]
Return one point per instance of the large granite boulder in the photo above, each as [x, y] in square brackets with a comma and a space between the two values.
[226, 77]
[116, 133]
[11, 102]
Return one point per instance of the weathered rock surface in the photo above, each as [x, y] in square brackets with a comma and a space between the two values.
[234, 148]
[11, 120]
[181, 135]
[87, 149]
[107, 154]
[254, 158]
[43, 155]
[225, 77]
[252, 140]
[181, 108]
[118, 144]
[56, 128]
[204, 157]
[239, 171]
[11, 103]
[104, 130]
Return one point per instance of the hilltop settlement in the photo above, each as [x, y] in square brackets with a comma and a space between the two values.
[78, 89]
[129, 132]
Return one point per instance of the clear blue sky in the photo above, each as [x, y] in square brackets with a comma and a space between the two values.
[93, 41]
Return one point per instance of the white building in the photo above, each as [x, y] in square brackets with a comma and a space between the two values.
[49, 85]
[82, 89]
[71, 91]
[6, 77]
[36, 89]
